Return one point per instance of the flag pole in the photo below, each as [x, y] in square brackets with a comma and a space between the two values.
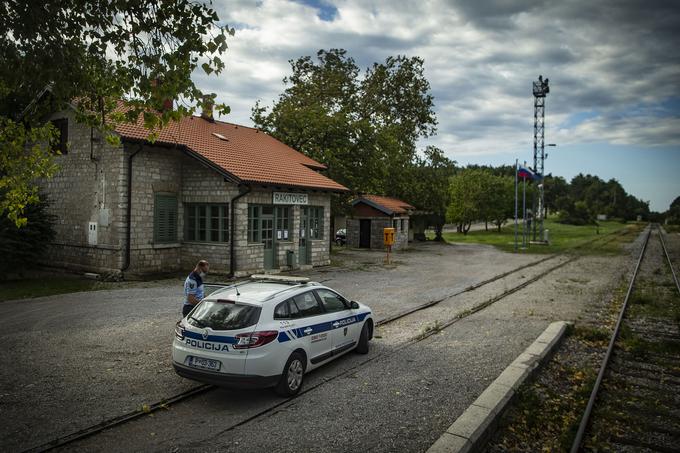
[516, 165]
[524, 210]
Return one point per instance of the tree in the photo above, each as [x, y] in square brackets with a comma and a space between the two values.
[363, 129]
[501, 199]
[430, 187]
[21, 247]
[556, 193]
[466, 198]
[92, 54]
[673, 213]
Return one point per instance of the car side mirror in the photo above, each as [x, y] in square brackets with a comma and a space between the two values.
[354, 305]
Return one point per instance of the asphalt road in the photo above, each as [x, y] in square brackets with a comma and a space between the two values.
[73, 360]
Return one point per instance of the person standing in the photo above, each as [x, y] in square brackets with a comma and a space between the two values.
[193, 286]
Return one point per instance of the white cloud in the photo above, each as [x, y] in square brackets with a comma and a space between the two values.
[611, 57]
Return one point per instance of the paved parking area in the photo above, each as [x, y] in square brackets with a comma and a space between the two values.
[73, 360]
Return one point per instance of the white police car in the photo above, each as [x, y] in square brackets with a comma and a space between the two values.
[268, 332]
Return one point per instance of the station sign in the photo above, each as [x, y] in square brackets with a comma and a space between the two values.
[291, 198]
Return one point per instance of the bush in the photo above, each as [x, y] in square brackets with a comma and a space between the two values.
[23, 247]
[576, 214]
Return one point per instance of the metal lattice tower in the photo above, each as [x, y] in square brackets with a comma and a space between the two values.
[540, 89]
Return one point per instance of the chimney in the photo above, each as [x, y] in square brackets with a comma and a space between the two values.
[208, 103]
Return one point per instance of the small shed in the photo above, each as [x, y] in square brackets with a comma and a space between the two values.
[371, 214]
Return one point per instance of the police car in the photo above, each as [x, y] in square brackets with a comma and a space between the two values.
[268, 332]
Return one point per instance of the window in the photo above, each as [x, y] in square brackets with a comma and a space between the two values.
[165, 218]
[253, 223]
[402, 224]
[286, 310]
[331, 302]
[224, 315]
[207, 223]
[394, 224]
[315, 222]
[282, 223]
[59, 145]
[307, 305]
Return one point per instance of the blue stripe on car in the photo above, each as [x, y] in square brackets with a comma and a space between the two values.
[213, 338]
[323, 327]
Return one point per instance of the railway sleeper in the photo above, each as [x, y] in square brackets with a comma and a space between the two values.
[661, 380]
[648, 387]
[648, 367]
[638, 444]
[648, 408]
[663, 360]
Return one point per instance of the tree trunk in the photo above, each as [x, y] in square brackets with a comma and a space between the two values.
[438, 232]
[459, 228]
[486, 225]
[466, 228]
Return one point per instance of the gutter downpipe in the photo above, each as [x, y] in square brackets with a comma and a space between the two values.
[128, 232]
[232, 252]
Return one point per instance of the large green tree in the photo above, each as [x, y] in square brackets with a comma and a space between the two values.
[363, 127]
[92, 54]
[467, 192]
[429, 187]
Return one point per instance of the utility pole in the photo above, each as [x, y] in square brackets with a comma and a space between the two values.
[540, 89]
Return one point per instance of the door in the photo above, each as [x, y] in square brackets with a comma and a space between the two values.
[365, 233]
[345, 327]
[313, 327]
[267, 230]
[304, 233]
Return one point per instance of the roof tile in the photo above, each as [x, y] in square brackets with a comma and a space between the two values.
[392, 204]
[249, 154]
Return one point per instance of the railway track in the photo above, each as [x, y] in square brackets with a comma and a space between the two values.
[201, 389]
[635, 402]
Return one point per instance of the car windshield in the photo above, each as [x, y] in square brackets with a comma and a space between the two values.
[224, 315]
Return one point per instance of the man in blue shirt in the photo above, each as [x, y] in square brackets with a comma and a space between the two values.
[193, 287]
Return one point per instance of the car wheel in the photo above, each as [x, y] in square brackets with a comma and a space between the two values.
[292, 376]
[362, 346]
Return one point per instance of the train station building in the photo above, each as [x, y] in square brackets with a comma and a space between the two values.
[204, 189]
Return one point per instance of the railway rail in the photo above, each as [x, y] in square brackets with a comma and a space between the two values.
[635, 401]
[203, 388]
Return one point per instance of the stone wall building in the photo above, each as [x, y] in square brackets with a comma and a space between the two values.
[371, 214]
[204, 189]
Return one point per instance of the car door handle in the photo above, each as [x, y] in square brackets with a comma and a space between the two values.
[308, 330]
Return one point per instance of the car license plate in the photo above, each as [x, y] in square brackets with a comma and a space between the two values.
[207, 364]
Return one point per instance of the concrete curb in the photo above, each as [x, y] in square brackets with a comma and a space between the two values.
[469, 432]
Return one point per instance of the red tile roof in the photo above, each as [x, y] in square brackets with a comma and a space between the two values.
[250, 155]
[385, 204]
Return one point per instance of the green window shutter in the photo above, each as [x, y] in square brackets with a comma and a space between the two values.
[165, 218]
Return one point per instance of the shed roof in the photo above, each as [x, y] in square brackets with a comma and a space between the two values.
[387, 205]
[247, 154]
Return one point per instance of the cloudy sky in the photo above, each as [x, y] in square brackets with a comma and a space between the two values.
[613, 65]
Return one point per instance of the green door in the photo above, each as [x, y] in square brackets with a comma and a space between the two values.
[267, 230]
[304, 233]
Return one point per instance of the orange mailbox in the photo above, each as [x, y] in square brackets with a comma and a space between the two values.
[388, 236]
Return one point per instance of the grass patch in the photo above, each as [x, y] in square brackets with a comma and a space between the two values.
[592, 334]
[562, 237]
[47, 286]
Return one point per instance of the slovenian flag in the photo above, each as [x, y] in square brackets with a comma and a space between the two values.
[525, 173]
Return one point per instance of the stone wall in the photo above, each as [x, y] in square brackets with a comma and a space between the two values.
[154, 170]
[204, 185]
[378, 224]
[250, 257]
[89, 187]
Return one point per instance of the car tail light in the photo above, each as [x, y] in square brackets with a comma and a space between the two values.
[179, 331]
[255, 339]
